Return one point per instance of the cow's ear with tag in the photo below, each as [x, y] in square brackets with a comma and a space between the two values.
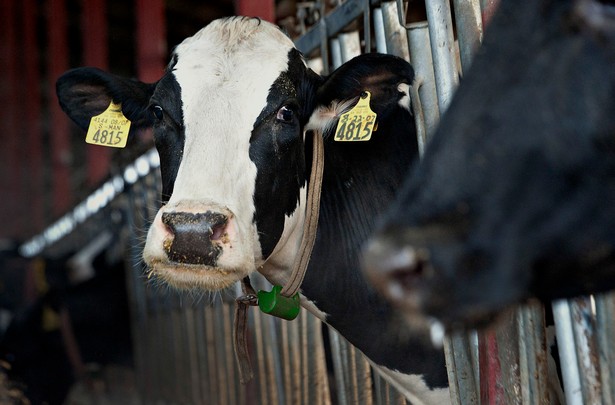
[87, 92]
[385, 77]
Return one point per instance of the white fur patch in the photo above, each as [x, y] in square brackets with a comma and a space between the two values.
[225, 72]
[324, 117]
[404, 102]
[413, 387]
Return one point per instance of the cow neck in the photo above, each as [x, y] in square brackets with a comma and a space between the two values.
[292, 286]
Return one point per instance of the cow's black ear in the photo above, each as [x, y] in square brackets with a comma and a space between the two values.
[86, 92]
[384, 76]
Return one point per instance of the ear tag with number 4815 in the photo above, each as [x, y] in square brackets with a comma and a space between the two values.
[358, 123]
[110, 128]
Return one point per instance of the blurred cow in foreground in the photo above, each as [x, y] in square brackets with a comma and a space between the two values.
[515, 196]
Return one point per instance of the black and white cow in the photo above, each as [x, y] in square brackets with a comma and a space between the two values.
[230, 118]
[516, 194]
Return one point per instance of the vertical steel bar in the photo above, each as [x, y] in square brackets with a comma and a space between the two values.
[422, 62]
[396, 39]
[469, 25]
[605, 330]
[379, 33]
[350, 45]
[443, 50]
[338, 366]
[567, 352]
[533, 355]
[336, 53]
[584, 330]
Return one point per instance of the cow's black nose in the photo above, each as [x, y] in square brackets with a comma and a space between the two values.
[195, 236]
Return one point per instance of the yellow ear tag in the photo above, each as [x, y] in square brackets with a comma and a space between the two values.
[110, 128]
[358, 123]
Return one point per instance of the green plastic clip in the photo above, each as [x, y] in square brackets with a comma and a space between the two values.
[274, 303]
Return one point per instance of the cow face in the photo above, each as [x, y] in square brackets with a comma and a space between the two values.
[230, 118]
[515, 196]
[228, 122]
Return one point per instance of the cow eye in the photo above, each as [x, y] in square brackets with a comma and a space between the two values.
[157, 112]
[285, 114]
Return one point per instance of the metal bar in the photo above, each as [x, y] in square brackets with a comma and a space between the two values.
[212, 358]
[367, 26]
[567, 352]
[379, 35]
[469, 25]
[350, 45]
[422, 62]
[442, 50]
[338, 366]
[331, 25]
[395, 33]
[336, 53]
[584, 329]
[533, 356]
[605, 332]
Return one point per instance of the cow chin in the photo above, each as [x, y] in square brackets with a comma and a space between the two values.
[195, 277]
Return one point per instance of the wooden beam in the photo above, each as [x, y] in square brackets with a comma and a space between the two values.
[33, 185]
[96, 53]
[151, 39]
[264, 9]
[61, 153]
[9, 79]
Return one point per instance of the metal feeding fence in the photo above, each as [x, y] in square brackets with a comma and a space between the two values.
[183, 343]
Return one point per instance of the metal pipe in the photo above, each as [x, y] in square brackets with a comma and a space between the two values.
[567, 352]
[584, 329]
[396, 40]
[379, 35]
[605, 331]
[442, 50]
[350, 45]
[469, 26]
[422, 63]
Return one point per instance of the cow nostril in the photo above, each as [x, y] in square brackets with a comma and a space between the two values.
[218, 231]
[193, 235]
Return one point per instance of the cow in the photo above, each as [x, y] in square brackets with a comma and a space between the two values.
[231, 118]
[515, 196]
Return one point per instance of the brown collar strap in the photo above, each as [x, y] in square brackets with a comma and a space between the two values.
[249, 297]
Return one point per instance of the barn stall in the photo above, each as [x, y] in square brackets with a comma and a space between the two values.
[182, 343]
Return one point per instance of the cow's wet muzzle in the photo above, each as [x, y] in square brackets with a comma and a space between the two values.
[196, 237]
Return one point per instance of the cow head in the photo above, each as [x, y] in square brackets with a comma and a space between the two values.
[230, 118]
[515, 196]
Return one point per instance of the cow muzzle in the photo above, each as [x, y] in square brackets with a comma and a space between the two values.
[197, 238]
[198, 245]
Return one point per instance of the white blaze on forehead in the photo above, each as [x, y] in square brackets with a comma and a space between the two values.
[225, 72]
